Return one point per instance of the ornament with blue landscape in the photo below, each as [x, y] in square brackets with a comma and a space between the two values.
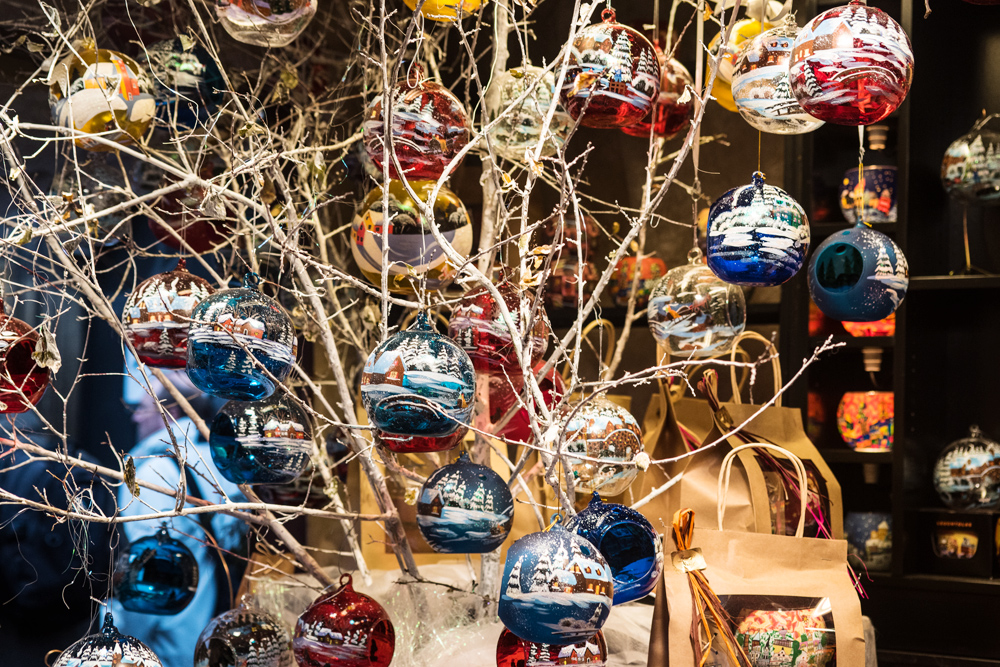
[237, 340]
[869, 537]
[757, 235]
[418, 383]
[465, 508]
[108, 648]
[627, 541]
[156, 574]
[261, 442]
[557, 587]
[858, 275]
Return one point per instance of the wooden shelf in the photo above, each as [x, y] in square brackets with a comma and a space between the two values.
[921, 283]
[836, 455]
[893, 658]
[855, 341]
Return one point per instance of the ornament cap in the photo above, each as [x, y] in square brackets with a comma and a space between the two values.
[422, 322]
[181, 264]
[608, 15]
[463, 458]
[595, 499]
[758, 179]
[975, 431]
[251, 280]
[346, 583]
[695, 256]
[109, 625]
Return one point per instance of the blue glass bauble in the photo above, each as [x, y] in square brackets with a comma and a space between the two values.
[627, 541]
[418, 382]
[557, 588]
[261, 442]
[244, 636]
[159, 575]
[757, 235]
[107, 648]
[465, 508]
[233, 333]
[858, 275]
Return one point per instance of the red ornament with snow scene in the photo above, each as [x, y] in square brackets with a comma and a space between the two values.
[670, 115]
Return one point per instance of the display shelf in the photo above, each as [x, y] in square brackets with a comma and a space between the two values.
[854, 341]
[901, 658]
[845, 455]
[922, 283]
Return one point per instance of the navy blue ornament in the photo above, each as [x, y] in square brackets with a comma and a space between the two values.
[557, 588]
[108, 648]
[234, 336]
[858, 275]
[188, 84]
[418, 383]
[465, 508]
[757, 235]
[627, 541]
[261, 442]
[156, 575]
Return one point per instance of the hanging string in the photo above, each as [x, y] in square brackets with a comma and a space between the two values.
[758, 150]
[859, 201]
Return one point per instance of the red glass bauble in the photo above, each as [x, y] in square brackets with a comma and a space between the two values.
[670, 116]
[344, 628]
[476, 324]
[503, 395]
[181, 211]
[429, 128]
[157, 315]
[568, 237]
[512, 651]
[415, 444]
[851, 65]
[563, 287]
[22, 381]
[613, 74]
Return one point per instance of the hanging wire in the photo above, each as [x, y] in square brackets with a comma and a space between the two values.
[859, 201]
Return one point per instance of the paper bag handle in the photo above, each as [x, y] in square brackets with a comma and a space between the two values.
[775, 365]
[609, 351]
[727, 468]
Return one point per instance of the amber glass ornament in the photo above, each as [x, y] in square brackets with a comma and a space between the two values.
[22, 380]
[446, 11]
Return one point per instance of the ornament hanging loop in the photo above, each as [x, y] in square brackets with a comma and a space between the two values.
[556, 521]
[346, 581]
[251, 280]
[608, 14]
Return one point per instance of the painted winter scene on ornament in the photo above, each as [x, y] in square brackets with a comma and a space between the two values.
[970, 169]
[108, 648]
[513, 651]
[520, 131]
[465, 507]
[967, 473]
[243, 636]
[602, 430]
[270, 23]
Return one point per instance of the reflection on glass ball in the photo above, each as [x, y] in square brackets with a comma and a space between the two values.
[886, 327]
[602, 430]
[243, 636]
[412, 444]
[513, 651]
[156, 575]
[521, 129]
[970, 169]
[670, 116]
[446, 10]
[270, 23]
[965, 473]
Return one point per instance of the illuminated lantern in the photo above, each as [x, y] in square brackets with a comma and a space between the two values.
[865, 420]
[446, 10]
[874, 194]
[270, 23]
[886, 327]
[651, 269]
[513, 651]
[603, 430]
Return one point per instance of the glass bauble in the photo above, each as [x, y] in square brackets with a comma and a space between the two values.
[521, 129]
[261, 442]
[446, 11]
[344, 628]
[965, 473]
[865, 420]
[232, 334]
[476, 324]
[874, 193]
[22, 380]
[185, 222]
[157, 315]
[567, 235]
[761, 87]
[694, 313]
[869, 537]
[429, 127]
[745, 29]
[851, 65]
[415, 258]
[156, 574]
[513, 651]
[569, 276]
[309, 489]
[503, 396]
[670, 116]
[886, 327]
[465, 508]
[268, 23]
[108, 648]
[104, 92]
[772, 634]
[858, 275]
[613, 72]
[419, 383]
[188, 85]
[627, 541]
[96, 185]
[414, 444]
[757, 235]
[970, 169]
[243, 636]
[556, 588]
[602, 430]
[651, 269]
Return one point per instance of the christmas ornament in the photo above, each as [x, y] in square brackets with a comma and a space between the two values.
[503, 396]
[270, 23]
[693, 313]
[965, 473]
[308, 489]
[515, 652]
[429, 127]
[416, 260]
[22, 380]
[344, 628]
[446, 11]
[627, 541]
[858, 275]
[875, 193]
[886, 327]
[188, 85]
[761, 88]
[108, 648]
[157, 315]
[185, 221]
[235, 332]
[262, 442]
[521, 129]
[243, 636]
[786, 637]
[869, 537]
[156, 574]
[757, 235]
[557, 588]
[851, 65]
[418, 383]
[670, 116]
[477, 325]
[563, 288]
[100, 91]
[465, 508]
[745, 29]
[651, 269]
[865, 419]
[565, 232]
[613, 73]
[95, 186]
[412, 444]
[970, 169]
[600, 429]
